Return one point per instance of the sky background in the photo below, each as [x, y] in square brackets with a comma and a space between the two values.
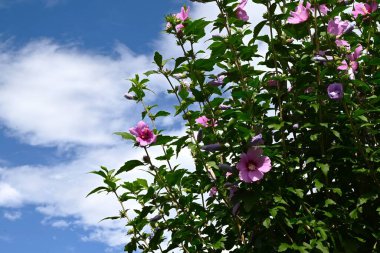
[64, 66]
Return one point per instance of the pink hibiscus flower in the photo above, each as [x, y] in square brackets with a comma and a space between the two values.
[203, 120]
[184, 14]
[364, 8]
[144, 136]
[301, 14]
[240, 12]
[253, 165]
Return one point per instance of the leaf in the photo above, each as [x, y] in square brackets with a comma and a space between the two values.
[130, 165]
[161, 114]
[98, 189]
[158, 59]
[324, 167]
[126, 136]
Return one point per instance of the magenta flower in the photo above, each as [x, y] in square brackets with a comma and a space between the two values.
[364, 8]
[203, 120]
[213, 191]
[301, 13]
[337, 27]
[144, 136]
[335, 91]
[184, 14]
[240, 12]
[253, 165]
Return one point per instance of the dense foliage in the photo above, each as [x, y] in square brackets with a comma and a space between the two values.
[286, 151]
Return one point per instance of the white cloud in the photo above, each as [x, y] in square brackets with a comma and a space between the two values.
[12, 216]
[57, 95]
[9, 196]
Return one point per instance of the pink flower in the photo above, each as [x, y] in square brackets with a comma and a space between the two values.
[184, 14]
[179, 27]
[144, 136]
[203, 120]
[253, 165]
[272, 83]
[322, 9]
[337, 27]
[364, 8]
[301, 14]
[342, 43]
[213, 192]
[240, 12]
[353, 65]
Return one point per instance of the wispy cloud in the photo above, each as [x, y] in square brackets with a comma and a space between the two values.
[12, 215]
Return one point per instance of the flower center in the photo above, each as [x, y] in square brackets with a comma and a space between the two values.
[145, 133]
[251, 166]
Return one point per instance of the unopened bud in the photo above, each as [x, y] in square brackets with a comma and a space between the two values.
[146, 159]
[225, 167]
[130, 96]
[235, 209]
[212, 147]
[200, 135]
[224, 107]
[211, 174]
[155, 218]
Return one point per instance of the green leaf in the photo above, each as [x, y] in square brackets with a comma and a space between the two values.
[130, 165]
[161, 114]
[324, 167]
[158, 59]
[126, 136]
[98, 189]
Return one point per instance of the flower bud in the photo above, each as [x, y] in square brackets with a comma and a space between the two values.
[146, 159]
[155, 218]
[225, 167]
[236, 208]
[130, 96]
[211, 174]
[212, 147]
[200, 135]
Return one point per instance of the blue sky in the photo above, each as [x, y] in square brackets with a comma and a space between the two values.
[64, 66]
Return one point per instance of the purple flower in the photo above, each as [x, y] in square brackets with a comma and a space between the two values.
[144, 136]
[337, 27]
[218, 81]
[253, 165]
[335, 91]
[257, 140]
[213, 191]
[364, 8]
[301, 13]
[240, 12]
[184, 14]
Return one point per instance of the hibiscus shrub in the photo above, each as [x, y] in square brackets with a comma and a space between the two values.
[285, 145]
